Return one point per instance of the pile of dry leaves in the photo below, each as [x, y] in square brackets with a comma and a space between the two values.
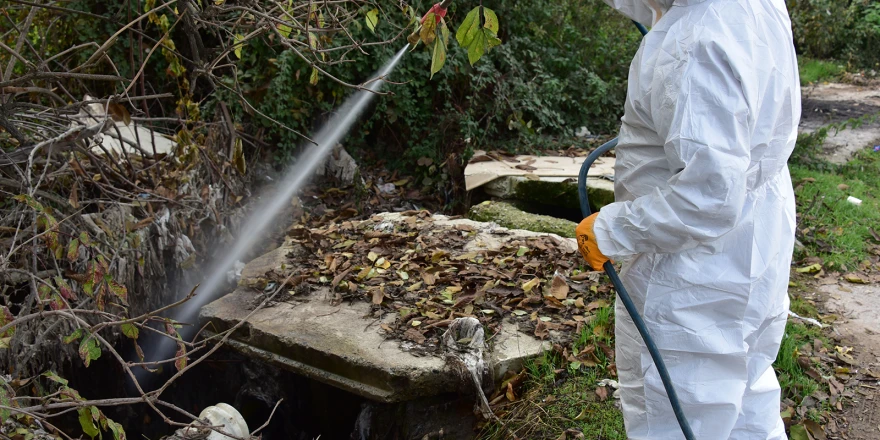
[428, 275]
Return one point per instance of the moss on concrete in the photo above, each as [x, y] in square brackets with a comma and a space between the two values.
[510, 217]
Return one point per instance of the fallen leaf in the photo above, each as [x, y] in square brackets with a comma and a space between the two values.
[559, 288]
[378, 296]
[843, 357]
[799, 432]
[815, 430]
[598, 304]
[429, 278]
[541, 330]
[602, 392]
[531, 284]
[509, 393]
[414, 336]
[855, 279]
[813, 268]
[843, 187]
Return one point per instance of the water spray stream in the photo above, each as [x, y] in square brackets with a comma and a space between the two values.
[330, 135]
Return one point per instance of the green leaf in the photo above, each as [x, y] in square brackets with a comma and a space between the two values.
[475, 38]
[182, 360]
[313, 41]
[119, 291]
[238, 39]
[54, 377]
[238, 157]
[86, 422]
[28, 200]
[284, 30]
[468, 28]
[5, 401]
[73, 250]
[799, 432]
[5, 318]
[439, 56]
[130, 330]
[116, 429]
[313, 78]
[89, 350]
[490, 20]
[372, 19]
[78, 333]
[429, 29]
[84, 239]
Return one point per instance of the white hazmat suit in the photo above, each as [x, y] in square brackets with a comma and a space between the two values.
[705, 214]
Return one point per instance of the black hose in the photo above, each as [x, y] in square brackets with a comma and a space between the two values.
[624, 295]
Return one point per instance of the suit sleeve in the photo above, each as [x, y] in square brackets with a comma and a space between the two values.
[701, 112]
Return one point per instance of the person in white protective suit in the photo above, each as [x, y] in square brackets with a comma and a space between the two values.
[704, 216]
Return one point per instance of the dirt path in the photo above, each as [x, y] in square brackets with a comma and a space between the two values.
[858, 307]
[830, 103]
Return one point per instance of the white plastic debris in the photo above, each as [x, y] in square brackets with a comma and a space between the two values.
[583, 132]
[854, 201]
[224, 418]
[387, 188]
[465, 345]
[611, 383]
[232, 276]
[807, 320]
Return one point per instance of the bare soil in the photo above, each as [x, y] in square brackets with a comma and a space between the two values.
[833, 103]
[858, 309]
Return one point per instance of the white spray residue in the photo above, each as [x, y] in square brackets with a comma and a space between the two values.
[330, 135]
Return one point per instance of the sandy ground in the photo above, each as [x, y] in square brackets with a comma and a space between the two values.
[831, 103]
[858, 307]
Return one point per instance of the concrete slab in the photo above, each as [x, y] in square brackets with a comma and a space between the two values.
[541, 179]
[343, 345]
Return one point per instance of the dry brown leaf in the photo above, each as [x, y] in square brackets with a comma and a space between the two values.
[559, 288]
[597, 304]
[414, 336]
[602, 392]
[378, 296]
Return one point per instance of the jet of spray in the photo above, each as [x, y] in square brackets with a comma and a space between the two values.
[324, 141]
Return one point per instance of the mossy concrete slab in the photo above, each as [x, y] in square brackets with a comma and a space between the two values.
[509, 216]
[343, 345]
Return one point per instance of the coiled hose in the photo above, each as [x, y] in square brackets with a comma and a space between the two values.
[624, 295]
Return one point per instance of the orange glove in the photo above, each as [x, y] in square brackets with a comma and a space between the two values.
[587, 243]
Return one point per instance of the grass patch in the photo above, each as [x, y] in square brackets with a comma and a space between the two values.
[795, 382]
[830, 227]
[813, 70]
[559, 395]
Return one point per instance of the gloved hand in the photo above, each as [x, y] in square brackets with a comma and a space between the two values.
[587, 243]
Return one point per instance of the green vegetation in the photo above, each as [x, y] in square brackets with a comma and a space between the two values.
[812, 71]
[560, 394]
[794, 380]
[832, 228]
[562, 65]
[832, 29]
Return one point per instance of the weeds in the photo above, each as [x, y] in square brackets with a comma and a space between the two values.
[812, 70]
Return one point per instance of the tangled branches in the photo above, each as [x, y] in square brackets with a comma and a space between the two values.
[116, 181]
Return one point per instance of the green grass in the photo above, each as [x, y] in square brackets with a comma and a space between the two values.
[812, 70]
[836, 230]
[795, 383]
[559, 395]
